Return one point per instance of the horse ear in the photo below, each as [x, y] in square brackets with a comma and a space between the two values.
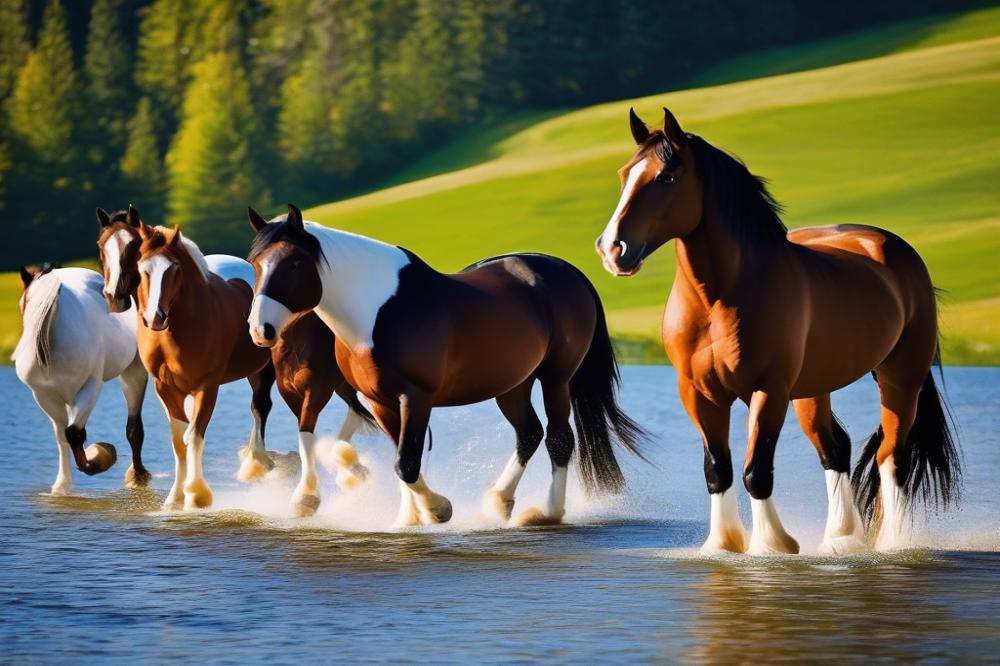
[26, 276]
[256, 221]
[132, 216]
[639, 130]
[175, 236]
[672, 129]
[145, 232]
[295, 218]
[103, 218]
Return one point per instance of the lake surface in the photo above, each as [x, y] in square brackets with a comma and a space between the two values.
[104, 576]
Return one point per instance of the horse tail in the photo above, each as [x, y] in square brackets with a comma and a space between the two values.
[356, 406]
[930, 458]
[593, 394]
[39, 320]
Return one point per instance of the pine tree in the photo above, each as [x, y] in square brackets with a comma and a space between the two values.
[212, 163]
[107, 67]
[163, 57]
[142, 167]
[13, 43]
[42, 105]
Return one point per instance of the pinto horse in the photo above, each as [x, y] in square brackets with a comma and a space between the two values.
[769, 316]
[306, 374]
[70, 346]
[410, 338]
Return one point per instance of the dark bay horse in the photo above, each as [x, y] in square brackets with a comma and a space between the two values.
[768, 316]
[306, 379]
[410, 339]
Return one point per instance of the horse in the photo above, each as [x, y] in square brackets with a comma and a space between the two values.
[768, 316]
[70, 346]
[305, 380]
[410, 339]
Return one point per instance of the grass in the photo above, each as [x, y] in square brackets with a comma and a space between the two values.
[895, 126]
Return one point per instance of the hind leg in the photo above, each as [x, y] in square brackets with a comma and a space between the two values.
[516, 407]
[342, 458]
[844, 530]
[560, 442]
[55, 409]
[899, 408]
[767, 414]
[133, 382]
[255, 462]
[98, 457]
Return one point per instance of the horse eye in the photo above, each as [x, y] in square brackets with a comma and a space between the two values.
[665, 177]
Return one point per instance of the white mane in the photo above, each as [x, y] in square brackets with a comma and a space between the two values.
[39, 316]
[193, 251]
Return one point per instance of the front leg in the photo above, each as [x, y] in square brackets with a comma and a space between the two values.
[255, 462]
[133, 382]
[767, 415]
[726, 531]
[173, 404]
[197, 494]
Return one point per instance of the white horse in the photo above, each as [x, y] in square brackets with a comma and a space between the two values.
[70, 346]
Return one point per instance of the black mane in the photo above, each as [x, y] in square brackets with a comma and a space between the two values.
[745, 206]
[279, 230]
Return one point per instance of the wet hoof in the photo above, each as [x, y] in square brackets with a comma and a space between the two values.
[100, 456]
[60, 489]
[438, 512]
[535, 518]
[776, 544]
[254, 466]
[197, 495]
[496, 506]
[174, 502]
[305, 506]
[729, 541]
[842, 545]
[350, 479]
[137, 479]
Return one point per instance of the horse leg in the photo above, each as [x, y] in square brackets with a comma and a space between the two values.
[305, 499]
[55, 409]
[76, 432]
[407, 424]
[560, 443]
[133, 382]
[844, 530]
[255, 461]
[173, 404]
[342, 457]
[517, 409]
[767, 414]
[726, 531]
[197, 494]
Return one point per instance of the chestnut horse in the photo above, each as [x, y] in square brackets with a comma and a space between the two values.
[306, 379]
[410, 339]
[770, 316]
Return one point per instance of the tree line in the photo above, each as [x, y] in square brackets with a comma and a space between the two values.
[193, 109]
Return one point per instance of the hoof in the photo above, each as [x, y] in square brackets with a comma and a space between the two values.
[174, 502]
[536, 518]
[350, 479]
[497, 506]
[305, 506]
[137, 479]
[731, 541]
[779, 544]
[439, 512]
[101, 457]
[197, 495]
[254, 467]
[60, 489]
[842, 545]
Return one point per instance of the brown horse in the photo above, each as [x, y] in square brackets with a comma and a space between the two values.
[410, 339]
[769, 316]
[306, 380]
[193, 338]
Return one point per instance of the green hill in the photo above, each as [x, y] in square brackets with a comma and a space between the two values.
[907, 139]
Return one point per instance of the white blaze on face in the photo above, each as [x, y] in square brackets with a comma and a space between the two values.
[266, 310]
[113, 257]
[155, 267]
[631, 183]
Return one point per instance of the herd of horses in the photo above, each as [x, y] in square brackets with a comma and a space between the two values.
[756, 313]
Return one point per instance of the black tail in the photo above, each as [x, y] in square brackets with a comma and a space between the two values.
[358, 408]
[592, 391]
[929, 463]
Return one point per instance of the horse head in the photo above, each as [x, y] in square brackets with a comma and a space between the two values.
[119, 249]
[661, 197]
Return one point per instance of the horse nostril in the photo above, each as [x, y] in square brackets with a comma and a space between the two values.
[268, 332]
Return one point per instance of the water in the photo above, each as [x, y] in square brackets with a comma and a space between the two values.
[102, 575]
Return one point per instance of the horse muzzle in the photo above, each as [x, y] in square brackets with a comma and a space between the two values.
[620, 258]
[117, 303]
[159, 322]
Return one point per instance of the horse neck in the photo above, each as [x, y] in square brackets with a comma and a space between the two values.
[359, 274]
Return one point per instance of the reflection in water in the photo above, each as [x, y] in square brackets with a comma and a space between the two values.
[106, 575]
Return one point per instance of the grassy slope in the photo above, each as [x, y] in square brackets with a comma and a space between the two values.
[909, 140]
